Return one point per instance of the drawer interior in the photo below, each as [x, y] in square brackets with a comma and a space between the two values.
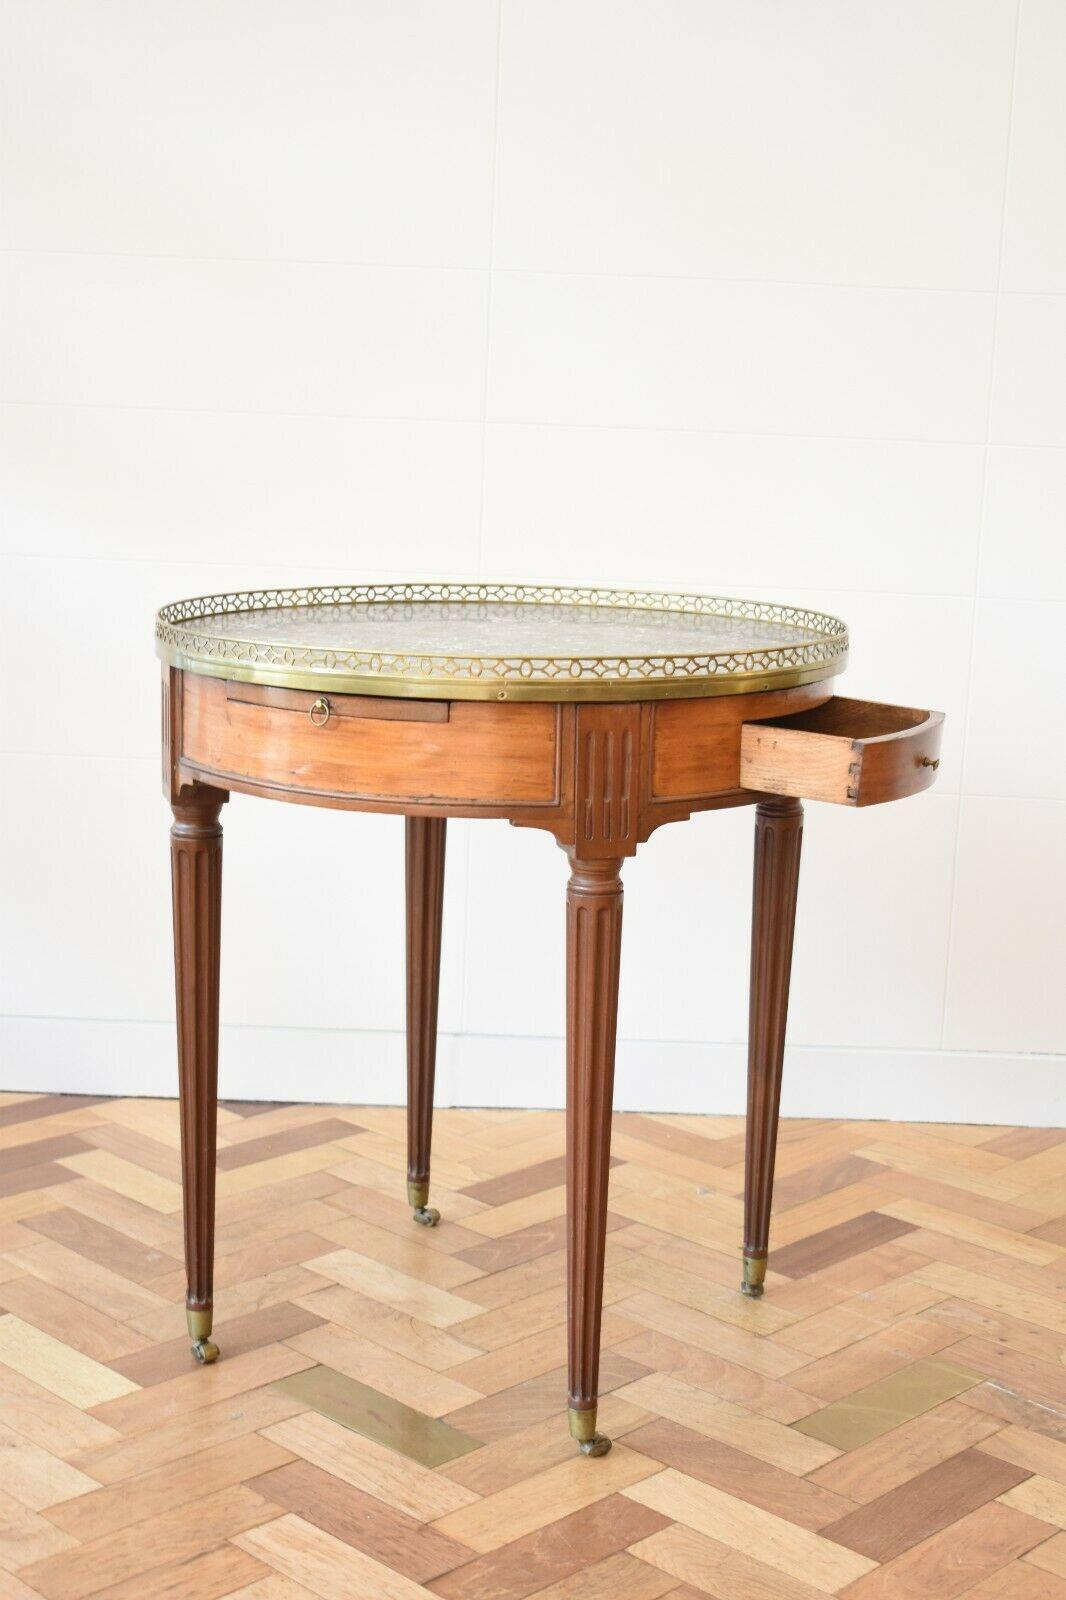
[853, 719]
[849, 752]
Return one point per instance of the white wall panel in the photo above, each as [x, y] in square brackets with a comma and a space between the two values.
[720, 139]
[357, 495]
[1028, 395]
[1023, 551]
[1034, 238]
[747, 357]
[332, 131]
[244, 336]
[1005, 973]
[725, 511]
[1014, 742]
[765, 299]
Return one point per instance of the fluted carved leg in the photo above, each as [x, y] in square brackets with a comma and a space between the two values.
[778, 835]
[196, 876]
[425, 841]
[593, 944]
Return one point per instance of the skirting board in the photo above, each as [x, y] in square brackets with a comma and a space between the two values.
[80, 1056]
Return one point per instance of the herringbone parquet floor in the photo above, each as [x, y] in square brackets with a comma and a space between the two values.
[388, 1417]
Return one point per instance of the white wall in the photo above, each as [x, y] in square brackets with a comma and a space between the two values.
[766, 298]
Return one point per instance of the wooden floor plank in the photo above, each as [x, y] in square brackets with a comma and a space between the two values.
[955, 1559]
[46, 1105]
[111, 1508]
[70, 1321]
[881, 1406]
[388, 1417]
[439, 1349]
[35, 1477]
[709, 1567]
[762, 1437]
[136, 1551]
[552, 1553]
[392, 1537]
[740, 1473]
[57, 1367]
[274, 1323]
[26, 1537]
[330, 1567]
[124, 1458]
[546, 1497]
[885, 1527]
[395, 1479]
[748, 1529]
[222, 1571]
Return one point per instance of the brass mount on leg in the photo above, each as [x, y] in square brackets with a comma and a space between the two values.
[754, 1274]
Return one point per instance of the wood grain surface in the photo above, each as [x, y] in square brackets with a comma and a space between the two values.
[387, 1418]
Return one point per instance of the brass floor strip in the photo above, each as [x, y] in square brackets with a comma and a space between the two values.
[377, 1416]
[884, 1405]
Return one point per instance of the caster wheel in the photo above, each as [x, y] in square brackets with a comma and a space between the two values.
[752, 1290]
[598, 1445]
[428, 1216]
[205, 1352]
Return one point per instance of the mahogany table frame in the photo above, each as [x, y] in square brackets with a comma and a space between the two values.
[598, 776]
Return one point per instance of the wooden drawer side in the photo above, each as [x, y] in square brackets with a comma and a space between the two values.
[848, 752]
[696, 743]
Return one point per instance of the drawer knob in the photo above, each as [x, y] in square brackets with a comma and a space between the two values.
[927, 761]
[319, 712]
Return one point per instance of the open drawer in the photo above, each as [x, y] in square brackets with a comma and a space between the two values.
[853, 752]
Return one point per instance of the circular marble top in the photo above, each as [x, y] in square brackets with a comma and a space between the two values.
[493, 641]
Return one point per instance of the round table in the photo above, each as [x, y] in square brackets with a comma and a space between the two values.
[596, 714]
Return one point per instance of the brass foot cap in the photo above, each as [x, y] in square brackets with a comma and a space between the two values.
[428, 1216]
[754, 1273]
[199, 1320]
[417, 1193]
[205, 1352]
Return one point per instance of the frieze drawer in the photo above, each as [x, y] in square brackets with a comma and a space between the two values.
[850, 752]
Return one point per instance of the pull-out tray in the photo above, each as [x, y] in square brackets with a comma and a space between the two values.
[851, 752]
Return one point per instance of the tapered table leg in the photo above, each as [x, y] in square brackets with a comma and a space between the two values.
[593, 944]
[196, 877]
[778, 835]
[425, 840]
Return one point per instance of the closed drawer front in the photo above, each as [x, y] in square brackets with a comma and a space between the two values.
[380, 749]
[850, 752]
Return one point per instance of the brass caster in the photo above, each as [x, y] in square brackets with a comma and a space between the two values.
[199, 1320]
[598, 1445]
[417, 1196]
[754, 1273]
[583, 1429]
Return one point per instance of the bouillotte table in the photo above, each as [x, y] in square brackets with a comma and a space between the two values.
[595, 714]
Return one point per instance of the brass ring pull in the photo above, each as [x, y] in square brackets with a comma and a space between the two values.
[319, 713]
[927, 761]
